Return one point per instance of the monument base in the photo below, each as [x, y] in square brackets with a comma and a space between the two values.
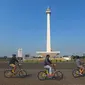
[52, 53]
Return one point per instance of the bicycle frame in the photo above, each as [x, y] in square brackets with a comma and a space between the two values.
[80, 69]
[17, 69]
[46, 71]
[53, 70]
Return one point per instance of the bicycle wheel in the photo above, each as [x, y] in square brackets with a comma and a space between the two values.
[22, 73]
[76, 73]
[58, 75]
[41, 75]
[7, 73]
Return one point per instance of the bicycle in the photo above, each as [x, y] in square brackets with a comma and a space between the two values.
[20, 72]
[76, 72]
[43, 75]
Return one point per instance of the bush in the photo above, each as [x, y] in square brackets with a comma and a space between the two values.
[56, 60]
[60, 60]
[67, 60]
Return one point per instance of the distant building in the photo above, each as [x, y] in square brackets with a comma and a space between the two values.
[67, 57]
[20, 52]
[83, 54]
[20, 57]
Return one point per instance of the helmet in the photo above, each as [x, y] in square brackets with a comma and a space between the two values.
[47, 56]
[13, 55]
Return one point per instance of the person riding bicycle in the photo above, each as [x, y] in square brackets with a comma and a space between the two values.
[79, 64]
[12, 62]
[48, 65]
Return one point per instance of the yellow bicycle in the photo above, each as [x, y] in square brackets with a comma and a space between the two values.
[43, 75]
[19, 72]
[76, 72]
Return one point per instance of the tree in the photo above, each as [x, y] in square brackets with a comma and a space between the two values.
[83, 57]
[5, 57]
[72, 57]
[27, 56]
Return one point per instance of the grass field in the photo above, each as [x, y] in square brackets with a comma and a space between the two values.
[42, 60]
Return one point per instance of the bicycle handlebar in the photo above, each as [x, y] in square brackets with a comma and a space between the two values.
[53, 66]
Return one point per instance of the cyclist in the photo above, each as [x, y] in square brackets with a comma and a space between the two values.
[48, 65]
[12, 62]
[79, 64]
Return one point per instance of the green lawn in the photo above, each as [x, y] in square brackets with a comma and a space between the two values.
[41, 61]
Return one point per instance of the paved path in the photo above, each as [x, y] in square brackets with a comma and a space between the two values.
[32, 80]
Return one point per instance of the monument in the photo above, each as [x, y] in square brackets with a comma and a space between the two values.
[48, 43]
[20, 57]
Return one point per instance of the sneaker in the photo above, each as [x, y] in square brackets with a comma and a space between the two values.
[81, 74]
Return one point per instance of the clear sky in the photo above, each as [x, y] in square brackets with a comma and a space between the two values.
[23, 25]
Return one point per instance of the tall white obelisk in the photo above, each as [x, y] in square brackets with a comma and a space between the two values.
[48, 12]
[48, 43]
